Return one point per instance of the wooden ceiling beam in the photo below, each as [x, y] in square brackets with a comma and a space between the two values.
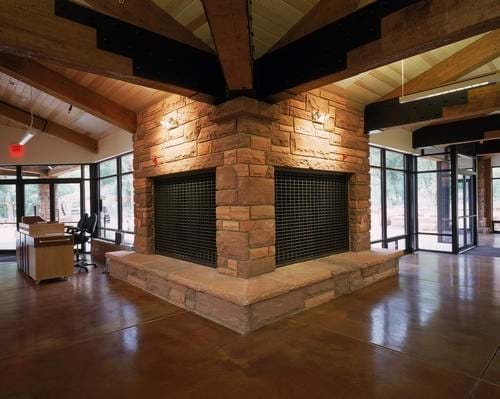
[66, 34]
[464, 61]
[59, 86]
[464, 131]
[440, 109]
[45, 126]
[481, 101]
[488, 147]
[147, 15]
[229, 23]
[412, 30]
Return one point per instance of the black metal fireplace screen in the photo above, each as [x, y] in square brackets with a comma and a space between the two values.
[312, 214]
[184, 214]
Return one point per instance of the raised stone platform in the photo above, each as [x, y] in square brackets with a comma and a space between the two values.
[244, 305]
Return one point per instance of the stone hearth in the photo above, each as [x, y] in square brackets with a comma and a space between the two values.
[244, 305]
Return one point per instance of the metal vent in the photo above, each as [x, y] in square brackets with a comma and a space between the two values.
[185, 217]
[312, 215]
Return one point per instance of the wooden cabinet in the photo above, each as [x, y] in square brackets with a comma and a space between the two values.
[44, 251]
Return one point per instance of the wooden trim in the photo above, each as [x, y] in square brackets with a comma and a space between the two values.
[20, 116]
[59, 86]
[230, 26]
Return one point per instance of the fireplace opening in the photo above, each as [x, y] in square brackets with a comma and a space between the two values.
[312, 214]
[184, 217]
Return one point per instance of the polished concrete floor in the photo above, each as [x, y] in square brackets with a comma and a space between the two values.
[432, 332]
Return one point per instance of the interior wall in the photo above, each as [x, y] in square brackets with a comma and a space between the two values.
[394, 139]
[495, 160]
[43, 148]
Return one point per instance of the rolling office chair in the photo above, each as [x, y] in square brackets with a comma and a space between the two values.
[79, 225]
[82, 235]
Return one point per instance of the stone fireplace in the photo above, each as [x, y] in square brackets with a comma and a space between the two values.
[244, 141]
[314, 140]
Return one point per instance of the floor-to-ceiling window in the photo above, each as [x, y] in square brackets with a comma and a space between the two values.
[116, 198]
[64, 193]
[8, 207]
[389, 195]
[434, 202]
[495, 191]
[425, 202]
[53, 192]
[466, 204]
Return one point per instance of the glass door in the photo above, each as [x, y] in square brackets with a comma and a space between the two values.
[7, 217]
[465, 212]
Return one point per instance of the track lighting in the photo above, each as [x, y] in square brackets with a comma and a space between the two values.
[27, 137]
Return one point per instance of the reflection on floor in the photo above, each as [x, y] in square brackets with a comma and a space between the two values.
[492, 240]
[433, 332]
[7, 258]
[488, 245]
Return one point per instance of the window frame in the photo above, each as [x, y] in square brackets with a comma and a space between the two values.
[493, 221]
[20, 182]
[119, 186]
[385, 241]
[437, 172]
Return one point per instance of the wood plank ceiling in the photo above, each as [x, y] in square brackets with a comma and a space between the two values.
[130, 96]
[370, 86]
[270, 21]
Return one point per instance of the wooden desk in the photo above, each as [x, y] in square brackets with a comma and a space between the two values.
[44, 251]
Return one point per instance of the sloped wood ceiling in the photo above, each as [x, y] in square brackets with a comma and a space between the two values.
[271, 19]
[370, 86]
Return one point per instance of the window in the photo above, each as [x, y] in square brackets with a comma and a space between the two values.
[8, 172]
[67, 198]
[127, 202]
[389, 192]
[376, 204]
[434, 199]
[116, 198]
[37, 200]
[8, 206]
[108, 194]
[495, 189]
[51, 172]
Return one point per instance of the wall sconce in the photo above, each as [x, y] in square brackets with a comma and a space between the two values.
[169, 123]
[319, 117]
